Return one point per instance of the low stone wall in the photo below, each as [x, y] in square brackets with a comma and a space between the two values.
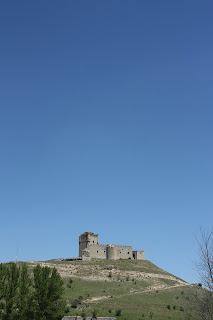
[86, 318]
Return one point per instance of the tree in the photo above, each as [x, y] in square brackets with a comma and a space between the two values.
[25, 301]
[48, 287]
[37, 297]
[205, 263]
[9, 277]
[204, 296]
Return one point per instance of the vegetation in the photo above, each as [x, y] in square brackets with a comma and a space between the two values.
[202, 302]
[35, 295]
[154, 290]
[134, 290]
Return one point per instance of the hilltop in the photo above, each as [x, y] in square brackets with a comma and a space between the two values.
[139, 289]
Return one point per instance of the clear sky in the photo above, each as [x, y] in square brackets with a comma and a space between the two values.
[106, 125]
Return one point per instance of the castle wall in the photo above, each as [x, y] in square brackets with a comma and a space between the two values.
[86, 255]
[111, 253]
[97, 251]
[85, 239]
[82, 246]
[119, 252]
[138, 255]
[89, 248]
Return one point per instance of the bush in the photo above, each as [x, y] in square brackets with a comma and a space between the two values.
[118, 313]
[94, 313]
[74, 303]
[110, 311]
[168, 306]
[67, 310]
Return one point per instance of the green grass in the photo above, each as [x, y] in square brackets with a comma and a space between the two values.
[121, 285]
[138, 306]
[145, 305]
[90, 289]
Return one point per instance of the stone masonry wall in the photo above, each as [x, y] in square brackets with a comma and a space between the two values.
[97, 251]
[138, 255]
[119, 252]
[89, 248]
[85, 239]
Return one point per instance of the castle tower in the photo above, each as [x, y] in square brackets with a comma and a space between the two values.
[86, 239]
[111, 252]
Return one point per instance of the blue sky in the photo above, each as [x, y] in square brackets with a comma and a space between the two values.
[106, 111]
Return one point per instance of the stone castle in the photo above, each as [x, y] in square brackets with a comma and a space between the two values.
[90, 248]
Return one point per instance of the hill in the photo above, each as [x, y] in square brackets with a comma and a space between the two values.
[139, 289]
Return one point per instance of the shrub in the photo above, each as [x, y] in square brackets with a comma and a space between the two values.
[168, 306]
[94, 313]
[110, 311]
[67, 309]
[110, 275]
[118, 312]
[74, 303]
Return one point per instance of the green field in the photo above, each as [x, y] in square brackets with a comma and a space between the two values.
[139, 289]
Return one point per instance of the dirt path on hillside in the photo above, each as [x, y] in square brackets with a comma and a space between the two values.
[150, 289]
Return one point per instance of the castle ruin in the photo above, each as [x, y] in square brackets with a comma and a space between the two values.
[90, 248]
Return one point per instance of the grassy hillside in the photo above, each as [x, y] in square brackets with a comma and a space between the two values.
[139, 289]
